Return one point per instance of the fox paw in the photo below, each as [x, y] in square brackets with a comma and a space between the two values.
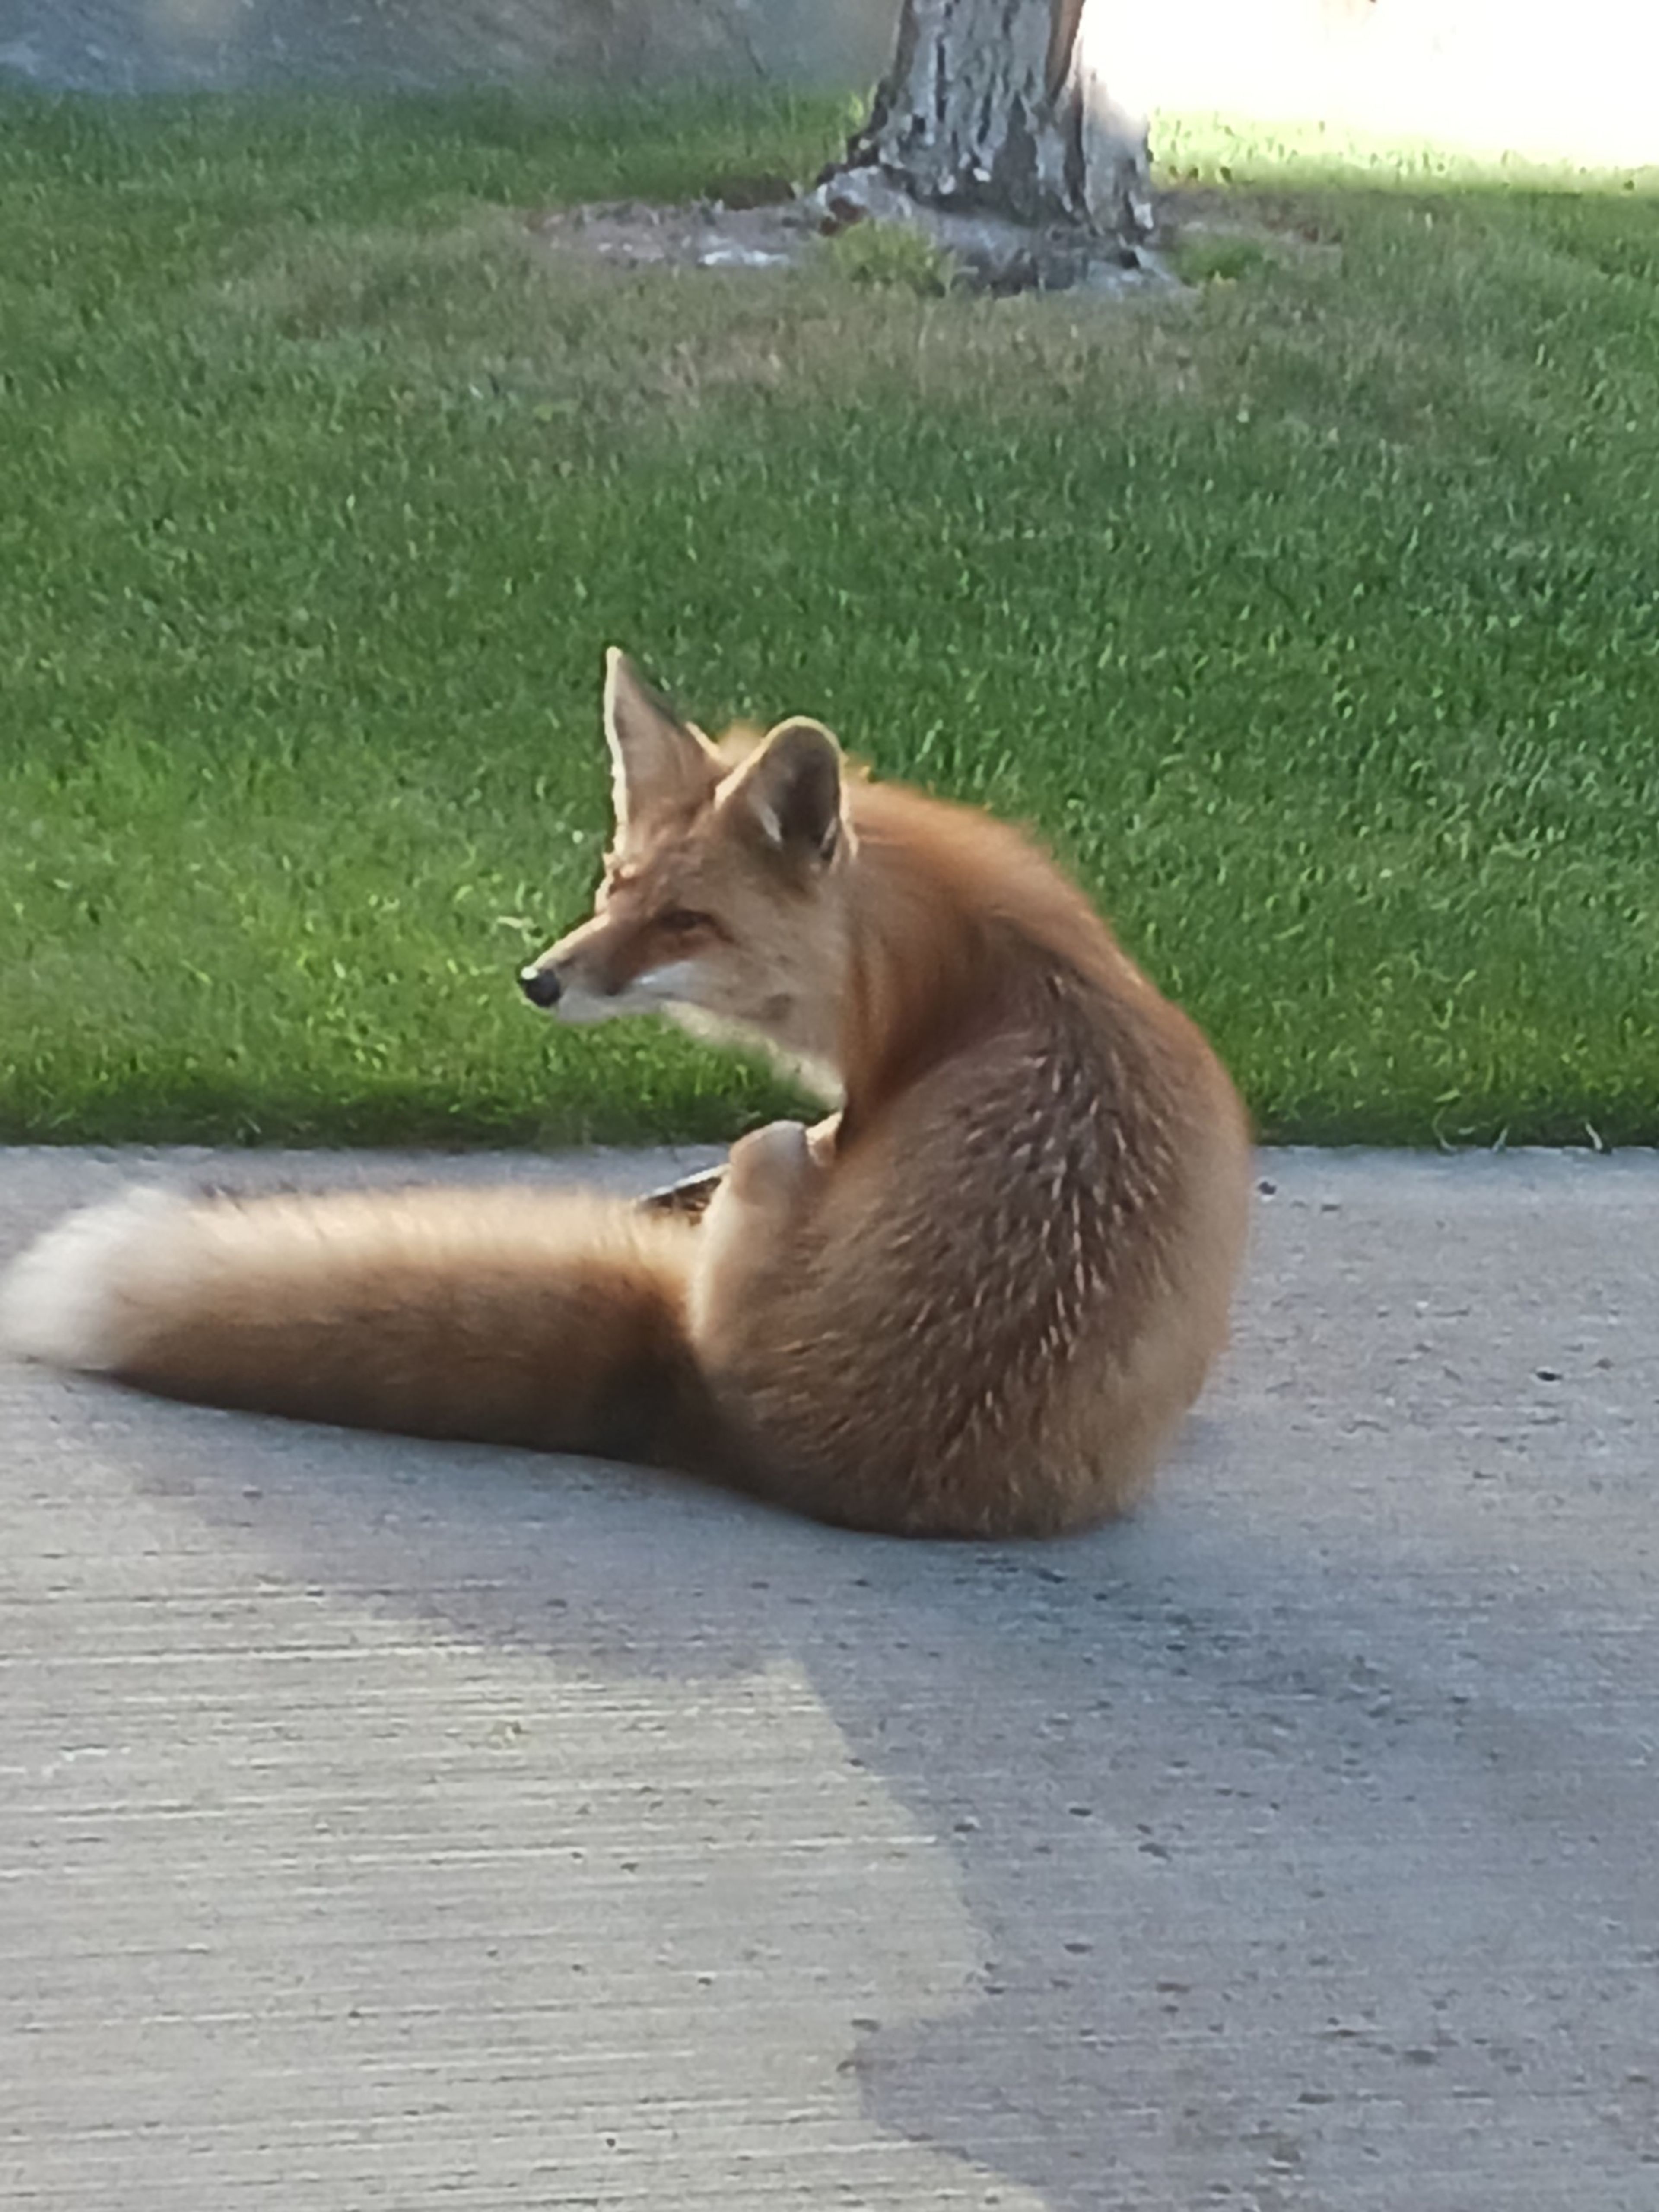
[768, 1166]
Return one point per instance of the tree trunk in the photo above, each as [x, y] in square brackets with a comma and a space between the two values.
[998, 108]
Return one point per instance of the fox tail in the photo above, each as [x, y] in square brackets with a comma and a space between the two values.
[547, 1319]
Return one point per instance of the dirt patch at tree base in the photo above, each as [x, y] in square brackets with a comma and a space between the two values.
[759, 223]
[744, 229]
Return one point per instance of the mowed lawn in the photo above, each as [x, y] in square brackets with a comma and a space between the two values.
[1311, 614]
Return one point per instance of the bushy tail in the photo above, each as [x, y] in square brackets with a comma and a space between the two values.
[548, 1319]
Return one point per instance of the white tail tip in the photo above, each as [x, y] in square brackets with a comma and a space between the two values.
[61, 1301]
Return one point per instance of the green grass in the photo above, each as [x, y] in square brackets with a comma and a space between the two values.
[1313, 615]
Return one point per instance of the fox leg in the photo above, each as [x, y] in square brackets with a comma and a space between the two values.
[769, 1167]
[692, 1198]
[770, 1178]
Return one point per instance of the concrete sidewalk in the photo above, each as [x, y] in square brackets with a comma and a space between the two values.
[384, 1824]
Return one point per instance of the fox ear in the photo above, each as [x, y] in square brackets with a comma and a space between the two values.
[790, 787]
[659, 765]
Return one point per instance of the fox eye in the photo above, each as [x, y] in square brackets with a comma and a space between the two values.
[681, 920]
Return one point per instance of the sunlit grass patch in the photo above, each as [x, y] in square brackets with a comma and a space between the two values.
[1311, 611]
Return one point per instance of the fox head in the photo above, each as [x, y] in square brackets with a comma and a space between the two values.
[724, 888]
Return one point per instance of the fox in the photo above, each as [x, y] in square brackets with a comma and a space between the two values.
[977, 1301]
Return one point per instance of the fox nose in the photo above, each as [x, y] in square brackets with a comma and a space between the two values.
[541, 986]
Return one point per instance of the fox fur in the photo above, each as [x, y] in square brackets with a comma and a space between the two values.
[977, 1302]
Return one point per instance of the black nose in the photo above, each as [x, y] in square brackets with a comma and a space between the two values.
[541, 986]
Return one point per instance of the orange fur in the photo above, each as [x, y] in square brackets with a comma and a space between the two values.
[977, 1303]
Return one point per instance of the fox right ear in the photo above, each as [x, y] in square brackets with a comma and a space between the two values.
[659, 765]
[791, 788]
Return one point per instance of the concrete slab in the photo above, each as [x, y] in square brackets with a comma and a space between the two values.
[388, 1824]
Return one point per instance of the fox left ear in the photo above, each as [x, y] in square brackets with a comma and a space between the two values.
[791, 788]
[659, 765]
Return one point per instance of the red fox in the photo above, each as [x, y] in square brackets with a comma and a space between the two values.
[976, 1303]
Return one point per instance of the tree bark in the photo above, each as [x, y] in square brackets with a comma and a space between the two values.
[997, 107]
